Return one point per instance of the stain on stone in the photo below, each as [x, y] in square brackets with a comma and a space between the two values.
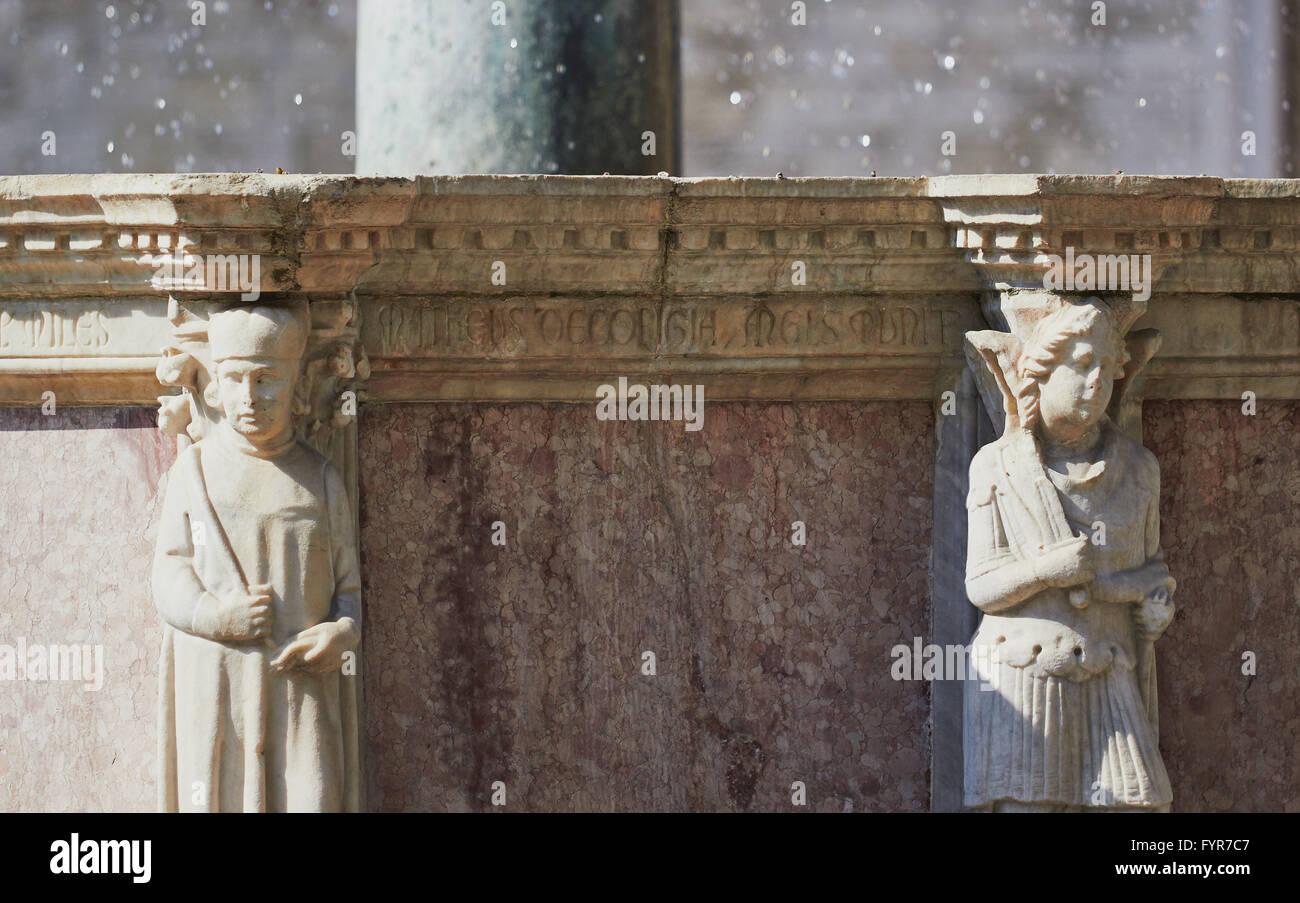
[1231, 546]
[745, 763]
[523, 663]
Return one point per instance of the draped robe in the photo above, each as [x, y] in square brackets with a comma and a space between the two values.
[1063, 713]
[234, 735]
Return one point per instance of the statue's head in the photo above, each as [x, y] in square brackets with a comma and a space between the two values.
[1068, 369]
[257, 354]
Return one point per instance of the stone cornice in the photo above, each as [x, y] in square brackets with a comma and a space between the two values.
[641, 275]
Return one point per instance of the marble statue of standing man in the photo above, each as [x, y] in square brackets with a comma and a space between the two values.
[1066, 565]
[256, 577]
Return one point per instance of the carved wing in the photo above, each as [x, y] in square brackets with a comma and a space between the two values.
[1142, 345]
[992, 355]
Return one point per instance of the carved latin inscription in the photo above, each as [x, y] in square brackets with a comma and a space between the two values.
[529, 327]
[81, 329]
[41, 331]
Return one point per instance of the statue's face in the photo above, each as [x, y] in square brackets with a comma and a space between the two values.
[1074, 396]
[257, 396]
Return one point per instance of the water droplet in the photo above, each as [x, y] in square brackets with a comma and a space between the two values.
[160, 104]
[978, 116]
[1142, 101]
[876, 31]
[865, 141]
[110, 11]
[735, 97]
[949, 63]
[63, 49]
[109, 147]
[514, 42]
[297, 99]
[218, 128]
[561, 68]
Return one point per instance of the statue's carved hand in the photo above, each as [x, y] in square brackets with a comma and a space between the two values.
[318, 649]
[1153, 614]
[1067, 565]
[238, 618]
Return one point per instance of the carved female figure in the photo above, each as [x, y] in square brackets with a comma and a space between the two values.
[1064, 560]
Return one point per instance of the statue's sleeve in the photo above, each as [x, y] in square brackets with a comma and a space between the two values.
[1155, 552]
[996, 578]
[177, 590]
[347, 572]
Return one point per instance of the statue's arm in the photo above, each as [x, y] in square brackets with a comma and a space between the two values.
[346, 607]
[178, 592]
[996, 579]
[323, 646]
[1159, 571]
[1134, 584]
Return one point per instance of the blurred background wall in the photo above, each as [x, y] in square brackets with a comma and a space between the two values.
[1168, 87]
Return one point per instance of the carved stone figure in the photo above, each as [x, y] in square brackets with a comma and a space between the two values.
[256, 577]
[1064, 560]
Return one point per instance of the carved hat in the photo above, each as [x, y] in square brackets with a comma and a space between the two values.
[276, 333]
[1022, 311]
[998, 359]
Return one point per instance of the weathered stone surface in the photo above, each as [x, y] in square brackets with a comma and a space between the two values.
[1219, 346]
[523, 663]
[681, 281]
[78, 573]
[503, 262]
[1230, 491]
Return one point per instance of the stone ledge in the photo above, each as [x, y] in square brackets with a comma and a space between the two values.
[641, 276]
[61, 235]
